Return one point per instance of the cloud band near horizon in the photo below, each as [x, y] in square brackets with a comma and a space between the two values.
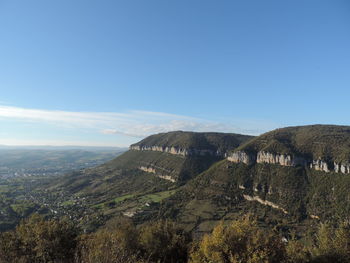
[134, 123]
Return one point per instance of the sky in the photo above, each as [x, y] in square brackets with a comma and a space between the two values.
[108, 73]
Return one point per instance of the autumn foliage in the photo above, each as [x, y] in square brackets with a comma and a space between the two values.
[36, 240]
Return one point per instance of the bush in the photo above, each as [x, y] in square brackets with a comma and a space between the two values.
[164, 242]
[332, 243]
[118, 243]
[37, 240]
[241, 241]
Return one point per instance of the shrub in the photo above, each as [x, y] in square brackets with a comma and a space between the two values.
[37, 240]
[241, 241]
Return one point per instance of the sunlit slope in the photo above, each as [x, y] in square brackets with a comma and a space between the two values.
[274, 188]
[330, 143]
[175, 158]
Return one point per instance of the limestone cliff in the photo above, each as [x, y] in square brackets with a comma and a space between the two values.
[264, 202]
[192, 143]
[281, 159]
[152, 170]
[320, 165]
[287, 160]
[342, 168]
[241, 157]
[178, 150]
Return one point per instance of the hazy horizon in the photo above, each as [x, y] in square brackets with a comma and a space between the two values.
[30, 146]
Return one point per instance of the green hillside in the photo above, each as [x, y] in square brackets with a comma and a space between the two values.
[327, 142]
[125, 186]
[218, 194]
[284, 196]
[199, 190]
[178, 167]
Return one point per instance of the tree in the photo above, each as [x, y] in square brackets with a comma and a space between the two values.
[297, 252]
[164, 242]
[241, 241]
[117, 244]
[332, 244]
[37, 240]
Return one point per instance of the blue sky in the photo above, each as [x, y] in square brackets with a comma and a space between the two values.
[111, 72]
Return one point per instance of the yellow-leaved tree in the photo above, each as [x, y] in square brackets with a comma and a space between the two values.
[240, 242]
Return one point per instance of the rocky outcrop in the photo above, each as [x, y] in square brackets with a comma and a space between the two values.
[241, 157]
[152, 170]
[314, 217]
[320, 165]
[342, 168]
[171, 150]
[281, 159]
[130, 213]
[167, 177]
[148, 169]
[265, 157]
[178, 150]
[287, 160]
[264, 202]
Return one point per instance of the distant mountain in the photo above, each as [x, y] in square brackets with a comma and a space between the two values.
[62, 148]
[17, 161]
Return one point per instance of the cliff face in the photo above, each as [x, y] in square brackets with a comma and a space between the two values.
[341, 168]
[265, 157]
[192, 143]
[287, 160]
[178, 150]
[320, 165]
[152, 170]
[241, 157]
[264, 202]
[320, 147]
[281, 159]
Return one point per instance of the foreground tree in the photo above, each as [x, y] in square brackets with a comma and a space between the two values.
[37, 240]
[297, 252]
[332, 244]
[241, 241]
[164, 242]
[117, 244]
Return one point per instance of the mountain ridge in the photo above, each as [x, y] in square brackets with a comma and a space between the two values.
[174, 175]
[321, 147]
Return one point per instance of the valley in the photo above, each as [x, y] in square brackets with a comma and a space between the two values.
[205, 178]
[204, 188]
[26, 173]
[199, 181]
[51, 161]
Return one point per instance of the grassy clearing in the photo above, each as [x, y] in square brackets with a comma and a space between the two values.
[157, 197]
[123, 197]
[24, 208]
[138, 199]
[67, 203]
[115, 200]
[4, 189]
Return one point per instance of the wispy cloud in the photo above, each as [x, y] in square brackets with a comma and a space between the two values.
[131, 123]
